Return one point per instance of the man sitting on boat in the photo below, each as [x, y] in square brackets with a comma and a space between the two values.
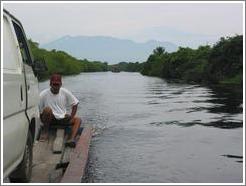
[53, 103]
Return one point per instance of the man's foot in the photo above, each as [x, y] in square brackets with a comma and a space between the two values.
[70, 143]
[43, 137]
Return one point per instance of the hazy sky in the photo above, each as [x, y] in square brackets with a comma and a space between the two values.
[180, 23]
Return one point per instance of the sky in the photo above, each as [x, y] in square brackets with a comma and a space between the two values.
[184, 24]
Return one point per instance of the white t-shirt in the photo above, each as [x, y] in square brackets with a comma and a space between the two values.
[57, 102]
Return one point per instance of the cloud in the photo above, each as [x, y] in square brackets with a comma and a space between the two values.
[45, 22]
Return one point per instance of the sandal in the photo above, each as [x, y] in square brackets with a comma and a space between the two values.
[70, 143]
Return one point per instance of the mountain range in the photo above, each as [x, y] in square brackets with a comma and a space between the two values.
[107, 49]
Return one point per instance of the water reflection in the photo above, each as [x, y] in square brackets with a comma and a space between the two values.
[234, 157]
[223, 124]
[214, 106]
[229, 99]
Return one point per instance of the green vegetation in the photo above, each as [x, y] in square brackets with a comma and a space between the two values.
[63, 63]
[127, 67]
[220, 64]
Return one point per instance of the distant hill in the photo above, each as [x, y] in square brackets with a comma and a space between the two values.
[107, 49]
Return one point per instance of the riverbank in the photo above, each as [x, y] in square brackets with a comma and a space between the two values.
[63, 63]
[219, 64]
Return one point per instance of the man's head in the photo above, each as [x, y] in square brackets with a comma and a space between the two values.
[55, 83]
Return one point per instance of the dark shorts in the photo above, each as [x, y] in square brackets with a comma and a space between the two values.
[61, 122]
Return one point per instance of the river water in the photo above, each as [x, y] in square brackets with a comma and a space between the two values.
[148, 130]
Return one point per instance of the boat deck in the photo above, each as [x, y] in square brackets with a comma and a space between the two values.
[67, 166]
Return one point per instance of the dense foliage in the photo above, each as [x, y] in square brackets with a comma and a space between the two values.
[63, 63]
[127, 67]
[222, 63]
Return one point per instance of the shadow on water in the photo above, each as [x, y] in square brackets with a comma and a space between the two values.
[223, 124]
[234, 157]
[229, 98]
[224, 101]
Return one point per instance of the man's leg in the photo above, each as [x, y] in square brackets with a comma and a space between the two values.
[46, 118]
[75, 122]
